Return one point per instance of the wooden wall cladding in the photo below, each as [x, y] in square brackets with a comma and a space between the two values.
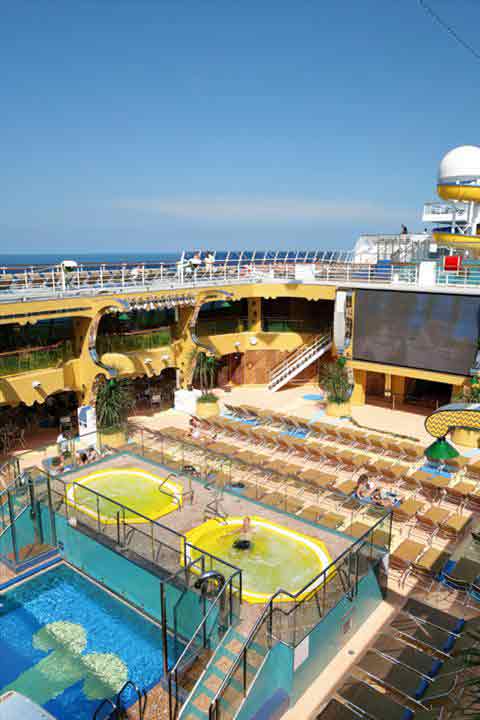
[253, 368]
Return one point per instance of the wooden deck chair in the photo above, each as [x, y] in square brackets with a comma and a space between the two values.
[407, 510]
[456, 464]
[309, 512]
[429, 522]
[319, 430]
[315, 451]
[331, 520]
[346, 460]
[428, 566]
[331, 457]
[458, 493]
[377, 445]
[346, 488]
[455, 526]
[404, 555]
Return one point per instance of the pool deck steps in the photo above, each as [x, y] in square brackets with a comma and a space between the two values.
[222, 660]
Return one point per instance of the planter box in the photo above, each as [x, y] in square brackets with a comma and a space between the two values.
[207, 409]
[338, 409]
[112, 439]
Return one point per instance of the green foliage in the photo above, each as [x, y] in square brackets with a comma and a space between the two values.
[131, 342]
[208, 397]
[205, 371]
[114, 403]
[334, 380]
[25, 360]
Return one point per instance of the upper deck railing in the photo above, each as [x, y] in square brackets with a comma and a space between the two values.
[327, 267]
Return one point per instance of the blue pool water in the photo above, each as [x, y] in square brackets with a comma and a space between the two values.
[67, 644]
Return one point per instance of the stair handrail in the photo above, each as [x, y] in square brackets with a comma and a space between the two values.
[302, 361]
[172, 674]
[297, 351]
[305, 349]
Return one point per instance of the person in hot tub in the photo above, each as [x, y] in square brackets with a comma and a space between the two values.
[244, 534]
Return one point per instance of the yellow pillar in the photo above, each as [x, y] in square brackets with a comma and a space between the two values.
[255, 314]
[359, 387]
[398, 388]
[183, 346]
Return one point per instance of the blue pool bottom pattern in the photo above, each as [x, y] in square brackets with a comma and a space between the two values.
[67, 644]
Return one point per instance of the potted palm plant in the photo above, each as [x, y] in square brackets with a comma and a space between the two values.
[204, 376]
[114, 403]
[335, 382]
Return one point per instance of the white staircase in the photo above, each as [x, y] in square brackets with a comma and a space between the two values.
[300, 359]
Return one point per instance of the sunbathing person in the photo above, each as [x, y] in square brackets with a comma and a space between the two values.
[365, 487]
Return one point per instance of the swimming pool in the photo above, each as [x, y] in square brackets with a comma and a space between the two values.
[148, 494]
[278, 558]
[67, 644]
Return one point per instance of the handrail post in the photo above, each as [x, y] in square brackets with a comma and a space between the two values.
[244, 671]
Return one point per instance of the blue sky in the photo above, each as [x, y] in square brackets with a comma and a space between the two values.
[152, 125]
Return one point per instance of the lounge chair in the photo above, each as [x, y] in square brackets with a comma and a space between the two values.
[455, 526]
[337, 710]
[396, 650]
[360, 696]
[429, 565]
[346, 488]
[407, 510]
[453, 465]
[430, 521]
[404, 555]
[426, 613]
[392, 675]
[309, 512]
[318, 479]
[330, 520]
[459, 492]
[422, 634]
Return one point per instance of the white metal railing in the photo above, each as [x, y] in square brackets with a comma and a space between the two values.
[444, 212]
[298, 361]
[40, 282]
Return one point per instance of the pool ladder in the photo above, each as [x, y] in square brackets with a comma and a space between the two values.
[116, 708]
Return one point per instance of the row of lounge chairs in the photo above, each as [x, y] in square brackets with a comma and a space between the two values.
[414, 668]
[349, 455]
[313, 494]
[350, 436]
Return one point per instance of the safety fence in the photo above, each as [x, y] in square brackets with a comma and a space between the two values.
[189, 271]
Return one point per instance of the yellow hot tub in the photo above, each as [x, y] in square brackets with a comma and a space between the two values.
[278, 558]
[142, 492]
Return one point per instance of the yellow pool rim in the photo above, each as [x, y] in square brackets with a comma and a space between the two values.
[318, 547]
[175, 488]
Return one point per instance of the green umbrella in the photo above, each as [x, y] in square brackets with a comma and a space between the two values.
[441, 450]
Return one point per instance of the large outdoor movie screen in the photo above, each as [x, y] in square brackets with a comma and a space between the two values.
[417, 330]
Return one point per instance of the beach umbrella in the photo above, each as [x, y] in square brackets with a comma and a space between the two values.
[441, 450]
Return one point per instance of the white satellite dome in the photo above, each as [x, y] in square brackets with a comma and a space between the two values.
[462, 164]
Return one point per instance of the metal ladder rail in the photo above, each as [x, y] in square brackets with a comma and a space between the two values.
[118, 710]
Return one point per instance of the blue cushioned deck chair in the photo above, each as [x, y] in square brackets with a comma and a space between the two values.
[364, 699]
[393, 676]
